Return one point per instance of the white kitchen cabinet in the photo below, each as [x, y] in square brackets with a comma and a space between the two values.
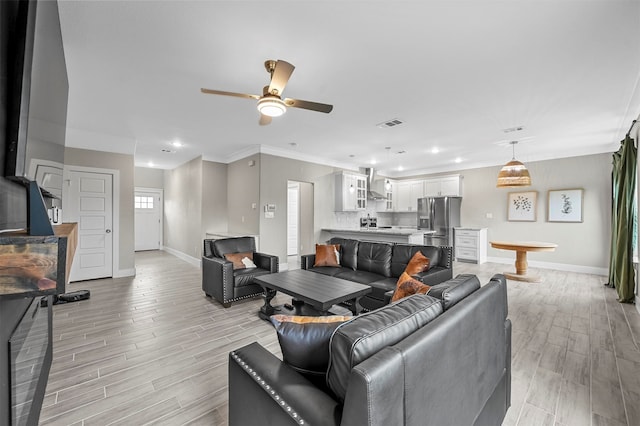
[406, 195]
[446, 185]
[471, 244]
[389, 202]
[350, 191]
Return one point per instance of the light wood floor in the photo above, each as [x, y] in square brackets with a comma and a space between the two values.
[153, 349]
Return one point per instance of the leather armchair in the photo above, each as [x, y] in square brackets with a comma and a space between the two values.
[225, 284]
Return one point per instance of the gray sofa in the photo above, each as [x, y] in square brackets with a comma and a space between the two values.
[379, 264]
[420, 361]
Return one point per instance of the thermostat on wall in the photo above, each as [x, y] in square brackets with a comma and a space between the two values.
[270, 208]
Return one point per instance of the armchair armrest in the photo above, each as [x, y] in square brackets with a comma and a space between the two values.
[307, 261]
[217, 278]
[265, 391]
[266, 261]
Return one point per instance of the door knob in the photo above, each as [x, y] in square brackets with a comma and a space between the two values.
[108, 231]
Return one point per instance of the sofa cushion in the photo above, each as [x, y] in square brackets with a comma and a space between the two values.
[408, 286]
[362, 277]
[348, 252]
[452, 291]
[329, 270]
[304, 341]
[363, 336]
[236, 259]
[402, 254]
[379, 288]
[327, 255]
[375, 257]
[418, 263]
[244, 277]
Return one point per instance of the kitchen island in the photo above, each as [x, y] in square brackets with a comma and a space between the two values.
[394, 234]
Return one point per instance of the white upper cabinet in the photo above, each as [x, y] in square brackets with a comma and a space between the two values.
[350, 191]
[446, 185]
[406, 194]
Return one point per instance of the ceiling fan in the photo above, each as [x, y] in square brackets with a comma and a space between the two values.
[271, 104]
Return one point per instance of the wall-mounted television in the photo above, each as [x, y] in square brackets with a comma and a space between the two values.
[36, 87]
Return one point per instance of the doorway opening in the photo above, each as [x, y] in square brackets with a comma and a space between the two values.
[300, 238]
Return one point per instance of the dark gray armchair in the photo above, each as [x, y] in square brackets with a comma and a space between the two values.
[225, 284]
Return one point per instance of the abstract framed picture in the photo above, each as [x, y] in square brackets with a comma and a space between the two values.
[522, 206]
[565, 205]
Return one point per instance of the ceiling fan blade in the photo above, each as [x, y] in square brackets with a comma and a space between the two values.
[280, 77]
[313, 106]
[264, 120]
[221, 92]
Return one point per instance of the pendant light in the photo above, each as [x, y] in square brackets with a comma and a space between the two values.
[514, 173]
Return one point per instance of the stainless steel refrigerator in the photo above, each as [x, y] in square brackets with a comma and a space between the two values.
[439, 214]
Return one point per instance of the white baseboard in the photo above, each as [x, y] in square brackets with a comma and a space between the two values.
[120, 273]
[180, 255]
[557, 266]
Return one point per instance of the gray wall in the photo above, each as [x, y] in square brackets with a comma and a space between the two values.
[146, 177]
[274, 174]
[214, 197]
[585, 244]
[123, 163]
[183, 208]
[243, 191]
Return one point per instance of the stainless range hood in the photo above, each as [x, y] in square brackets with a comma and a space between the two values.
[371, 193]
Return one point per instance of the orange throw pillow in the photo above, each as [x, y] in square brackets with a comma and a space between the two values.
[327, 255]
[407, 286]
[418, 263]
[236, 258]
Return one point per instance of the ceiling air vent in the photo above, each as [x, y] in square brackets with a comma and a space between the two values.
[390, 123]
[513, 129]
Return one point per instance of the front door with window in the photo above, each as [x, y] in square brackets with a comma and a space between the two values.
[147, 220]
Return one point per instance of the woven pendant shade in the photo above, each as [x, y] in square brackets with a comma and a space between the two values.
[513, 174]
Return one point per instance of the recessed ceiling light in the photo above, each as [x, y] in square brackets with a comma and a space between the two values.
[458, 160]
[177, 144]
[167, 150]
[401, 152]
[351, 155]
[400, 168]
[435, 150]
[150, 164]
[293, 144]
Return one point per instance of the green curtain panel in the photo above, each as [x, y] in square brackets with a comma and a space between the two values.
[623, 220]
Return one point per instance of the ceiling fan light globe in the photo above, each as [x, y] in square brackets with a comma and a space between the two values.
[272, 107]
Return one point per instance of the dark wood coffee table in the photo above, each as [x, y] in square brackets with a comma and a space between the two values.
[318, 291]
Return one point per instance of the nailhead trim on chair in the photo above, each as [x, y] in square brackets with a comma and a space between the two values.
[274, 395]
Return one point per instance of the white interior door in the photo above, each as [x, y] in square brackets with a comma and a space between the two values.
[90, 203]
[148, 223]
[292, 218]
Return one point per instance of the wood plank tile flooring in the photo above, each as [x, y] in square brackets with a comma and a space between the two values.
[153, 350]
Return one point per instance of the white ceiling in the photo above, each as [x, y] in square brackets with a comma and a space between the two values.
[457, 73]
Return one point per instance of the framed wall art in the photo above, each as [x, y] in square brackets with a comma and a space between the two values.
[522, 206]
[565, 205]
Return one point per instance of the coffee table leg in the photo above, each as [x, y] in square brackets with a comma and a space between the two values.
[267, 310]
[356, 307]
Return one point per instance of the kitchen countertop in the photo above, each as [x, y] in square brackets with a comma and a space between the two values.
[381, 231]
